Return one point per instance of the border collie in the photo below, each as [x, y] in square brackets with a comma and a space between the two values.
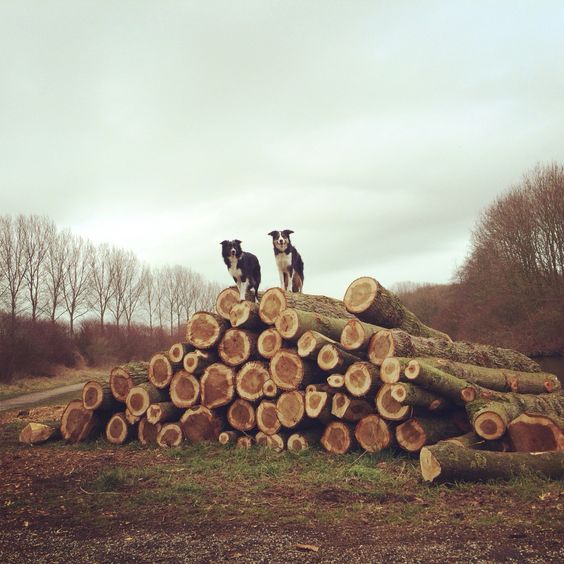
[243, 267]
[288, 260]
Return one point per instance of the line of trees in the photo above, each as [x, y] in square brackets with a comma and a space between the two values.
[46, 273]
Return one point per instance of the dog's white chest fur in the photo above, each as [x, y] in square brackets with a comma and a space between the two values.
[234, 270]
[284, 261]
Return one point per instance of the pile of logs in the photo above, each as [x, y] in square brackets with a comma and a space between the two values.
[296, 370]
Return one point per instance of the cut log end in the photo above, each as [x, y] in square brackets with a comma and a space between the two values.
[225, 300]
[160, 370]
[170, 435]
[78, 423]
[337, 438]
[237, 346]
[290, 408]
[287, 324]
[269, 343]
[241, 415]
[270, 389]
[306, 344]
[217, 386]
[147, 432]
[381, 346]
[267, 418]
[412, 370]
[361, 378]
[36, 433]
[92, 395]
[535, 433]
[489, 425]
[360, 294]
[328, 358]
[287, 369]
[353, 335]
[228, 437]
[373, 433]
[390, 371]
[205, 329]
[178, 350]
[184, 389]
[244, 442]
[430, 466]
[388, 407]
[410, 436]
[250, 380]
[200, 424]
[138, 401]
[336, 381]
[117, 429]
[271, 304]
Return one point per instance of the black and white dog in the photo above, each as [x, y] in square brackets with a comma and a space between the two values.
[243, 267]
[288, 260]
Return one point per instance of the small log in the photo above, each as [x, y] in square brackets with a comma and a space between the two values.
[409, 394]
[37, 433]
[321, 387]
[163, 412]
[373, 433]
[289, 371]
[217, 386]
[388, 407]
[332, 358]
[299, 442]
[267, 418]
[276, 300]
[336, 381]
[293, 323]
[161, 370]
[415, 433]
[311, 342]
[277, 442]
[290, 408]
[245, 442]
[96, 395]
[472, 440]
[142, 396]
[356, 335]
[204, 330]
[338, 438]
[318, 406]
[228, 437]
[170, 435]
[269, 343]
[80, 424]
[147, 432]
[197, 361]
[449, 463]
[350, 409]
[119, 430]
[362, 379]
[124, 377]
[130, 418]
[392, 369]
[250, 380]
[536, 433]
[241, 415]
[178, 351]
[184, 389]
[245, 315]
[225, 300]
[200, 424]
[261, 439]
[237, 347]
[270, 389]
[371, 302]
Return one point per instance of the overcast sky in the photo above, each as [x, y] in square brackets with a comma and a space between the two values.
[377, 131]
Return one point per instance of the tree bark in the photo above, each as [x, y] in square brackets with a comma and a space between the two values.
[449, 463]
[119, 431]
[311, 342]
[373, 433]
[241, 415]
[289, 371]
[245, 315]
[225, 300]
[536, 433]
[204, 330]
[472, 440]
[200, 424]
[161, 370]
[170, 435]
[217, 386]
[267, 418]
[332, 358]
[276, 300]
[196, 362]
[338, 437]
[415, 433]
[184, 389]
[147, 433]
[124, 377]
[293, 323]
[80, 424]
[163, 412]
[37, 433]
[269, 343]
[362, 379]
[356, 335]
[372, 303]
[178, 351]
[96, 395]
[237, 347]
[250, 380]
[409, 394]
[385, 344]
[388, 407]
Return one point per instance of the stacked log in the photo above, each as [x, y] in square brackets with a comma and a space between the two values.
[295, 370]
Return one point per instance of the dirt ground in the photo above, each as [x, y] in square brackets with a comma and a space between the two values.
[55, 508]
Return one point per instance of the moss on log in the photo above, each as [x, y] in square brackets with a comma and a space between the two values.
[409, 394]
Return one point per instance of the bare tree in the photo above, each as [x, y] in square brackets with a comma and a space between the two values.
[134, 280]
[170, 293]
[149, 296]
[54, 274]
[101, 279]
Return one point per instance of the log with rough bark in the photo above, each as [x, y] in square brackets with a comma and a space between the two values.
[170, 435]
[228, 437]
[217, 386]
[37, 433]
[356, 335]
[119, 430]
[200, 424]
[392, 369]
[161, 370]
[96, 395]
[142, 396]
[415, 433]
[241, 415]
[332, 358]
[275, 300]
[124, 377]
[250, 380]
[245, 315]
[447, 462]
[311, 342]
[245, 442]
[267, 418]
[204, 330]
[147, 432]
[409, 394]
[293, 323]
[197, 361]
[399, 343]
[338, 437]
[237, 347]
[163, 412]
[298, 442]
[371, 302]
[79, 424]
[225, 300]
[270, 389]
[388, 407]
[472, 440]
[336, 381]
[184, 389]
[178, 351]
[536, 433]
[269, 343]
[373, 433]
[318, 405]
[289, 371]
[350, 409]
[290, 409]
[362, 379]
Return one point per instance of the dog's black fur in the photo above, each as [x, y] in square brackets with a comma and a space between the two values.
[244, 267]
[288, 260]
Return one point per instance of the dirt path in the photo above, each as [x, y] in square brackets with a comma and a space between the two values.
[29, 400]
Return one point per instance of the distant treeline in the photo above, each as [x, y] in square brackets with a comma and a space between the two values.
[510, 289]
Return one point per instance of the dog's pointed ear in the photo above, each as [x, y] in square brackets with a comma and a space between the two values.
[237, 241]
[224, 242]
[287, 232]
[272, 233]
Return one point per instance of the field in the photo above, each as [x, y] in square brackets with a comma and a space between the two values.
[201, 503]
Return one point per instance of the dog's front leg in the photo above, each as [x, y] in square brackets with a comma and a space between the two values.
[243, 290]
[282, 279]
[289, 277]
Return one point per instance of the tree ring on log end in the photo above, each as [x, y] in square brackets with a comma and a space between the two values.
[360, 294]
[381, 347]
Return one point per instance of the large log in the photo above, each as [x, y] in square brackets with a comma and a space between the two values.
[200, 424]
[163, 412]
[303, 440]
[178, 351]
[290, 409]
[356, 335]
[371, 302]
[450, 463]
[389, 343]
[289, 371]
[147, 432]
[170, 435]
[237, 347]
[311, 342]
[142, 396]
[204, 330]
[197, 361]
[536, 433]
[79, 424]
[332, 358]
[275, 301]
[338, 437]
[293, 323]
[184, 389]
[225, 300]
[241, 415]
[269, 343]
[373, 433]
[415, 433]
[119, 430]
[245, 315]
[250, 380]
[217, 386]
[388, 407]
[37, 433]
[161, 370]
[267, 418]
[96, 395]
[124, 377]
[409, 394]
[362, 379]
